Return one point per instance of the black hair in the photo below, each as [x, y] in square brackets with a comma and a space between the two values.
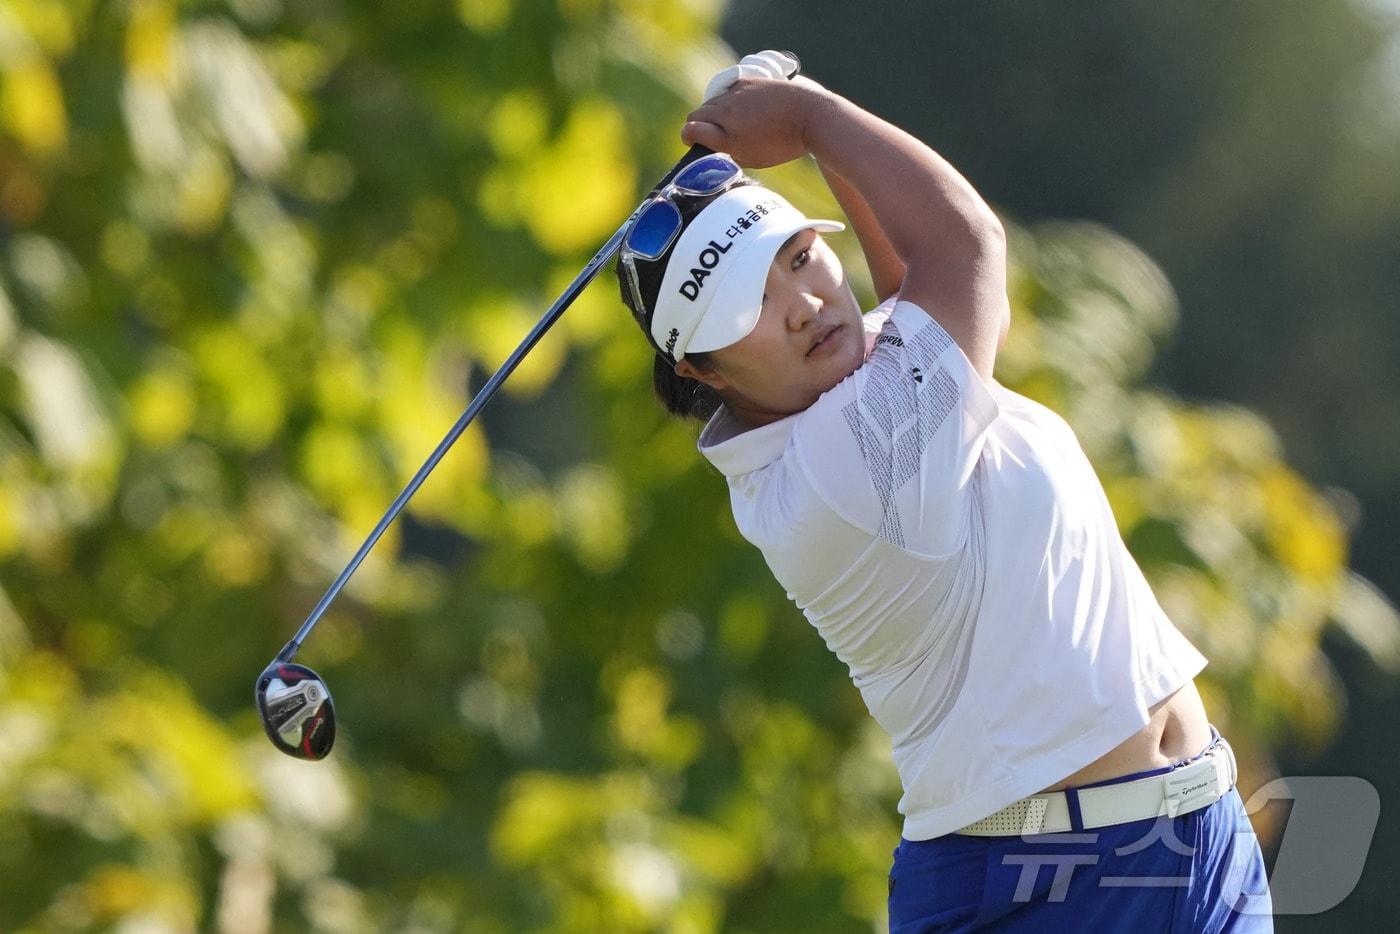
[688, 398]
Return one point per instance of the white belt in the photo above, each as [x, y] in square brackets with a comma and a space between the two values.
[1189, 787]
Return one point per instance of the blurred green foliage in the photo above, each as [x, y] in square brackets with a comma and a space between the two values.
[256, 256]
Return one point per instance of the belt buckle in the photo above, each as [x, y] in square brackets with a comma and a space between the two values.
[1192, 787]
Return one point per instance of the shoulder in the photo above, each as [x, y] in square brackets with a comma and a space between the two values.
[874, 320]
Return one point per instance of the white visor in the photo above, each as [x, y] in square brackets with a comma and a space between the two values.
[712, 292]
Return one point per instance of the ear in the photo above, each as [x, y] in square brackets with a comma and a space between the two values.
[711, 378]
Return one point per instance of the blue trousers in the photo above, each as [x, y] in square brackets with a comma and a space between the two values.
[1199, 872]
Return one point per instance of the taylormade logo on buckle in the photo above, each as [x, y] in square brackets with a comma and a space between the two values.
[711, 254]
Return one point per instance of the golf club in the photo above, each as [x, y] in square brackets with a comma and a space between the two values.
[293, 701]
[295, 705]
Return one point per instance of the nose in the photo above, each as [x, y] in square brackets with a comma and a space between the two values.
[803, 310]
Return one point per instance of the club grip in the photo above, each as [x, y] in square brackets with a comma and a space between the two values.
[695, 152]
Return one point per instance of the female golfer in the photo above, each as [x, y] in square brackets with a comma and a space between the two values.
[946, 536]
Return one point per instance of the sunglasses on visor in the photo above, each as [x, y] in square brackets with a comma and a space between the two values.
[658, 221]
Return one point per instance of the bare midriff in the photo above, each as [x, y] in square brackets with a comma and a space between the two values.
[1178, 729]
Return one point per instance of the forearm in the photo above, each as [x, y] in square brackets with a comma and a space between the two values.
[886, 268]
[923, 205]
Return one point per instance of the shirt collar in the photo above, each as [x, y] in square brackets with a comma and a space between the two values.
[736, 450]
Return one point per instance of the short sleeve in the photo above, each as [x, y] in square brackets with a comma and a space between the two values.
[893, 448]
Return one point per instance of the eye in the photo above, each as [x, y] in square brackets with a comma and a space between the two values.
[801, 258]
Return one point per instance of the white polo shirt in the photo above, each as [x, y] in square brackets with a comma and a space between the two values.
[952, 545]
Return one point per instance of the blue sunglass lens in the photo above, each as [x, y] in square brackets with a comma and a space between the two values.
[707, 175]
[652, 232]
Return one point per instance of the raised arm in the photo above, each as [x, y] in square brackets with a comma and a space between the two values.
[886, 268]
[950, 242]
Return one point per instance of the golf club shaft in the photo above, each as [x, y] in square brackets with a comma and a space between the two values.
[606, 253]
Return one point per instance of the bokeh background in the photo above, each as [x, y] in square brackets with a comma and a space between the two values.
[255, 257]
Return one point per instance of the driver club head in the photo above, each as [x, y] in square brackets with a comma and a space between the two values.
[296, 710]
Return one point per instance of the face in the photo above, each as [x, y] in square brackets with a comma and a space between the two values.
[808, 337]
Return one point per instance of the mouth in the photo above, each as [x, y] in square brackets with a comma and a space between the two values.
[823, 340]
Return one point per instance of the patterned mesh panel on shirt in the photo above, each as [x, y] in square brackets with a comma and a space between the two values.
[906, 400]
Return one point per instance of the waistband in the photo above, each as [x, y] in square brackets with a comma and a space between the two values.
[1171, 790]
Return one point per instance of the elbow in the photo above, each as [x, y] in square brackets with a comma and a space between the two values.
[994, 251]
[978, 236]
[987, 231]
[989, 251]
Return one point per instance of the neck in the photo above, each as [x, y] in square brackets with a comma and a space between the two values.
[751, 416]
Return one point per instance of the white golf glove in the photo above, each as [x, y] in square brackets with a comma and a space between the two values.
[766, 64]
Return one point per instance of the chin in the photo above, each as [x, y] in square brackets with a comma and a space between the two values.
[832, 379]
[855, 354]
